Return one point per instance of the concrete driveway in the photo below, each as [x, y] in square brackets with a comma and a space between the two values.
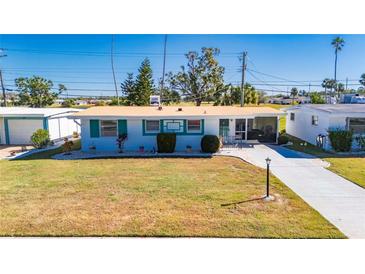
[337, 199]
[9, 151]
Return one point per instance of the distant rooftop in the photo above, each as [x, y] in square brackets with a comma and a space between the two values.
[173, 111]
[36, 112]
[336, 108]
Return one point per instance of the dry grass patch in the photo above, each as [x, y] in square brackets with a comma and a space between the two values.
[150, 197]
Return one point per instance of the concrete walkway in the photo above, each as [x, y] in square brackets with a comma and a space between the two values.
[337, 199]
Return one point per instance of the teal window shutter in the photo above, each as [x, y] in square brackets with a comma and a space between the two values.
[94, 129]
[122, 127]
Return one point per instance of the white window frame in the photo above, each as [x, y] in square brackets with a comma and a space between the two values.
[101, 128]
[151, 131]
[313, 120]
[193, 130]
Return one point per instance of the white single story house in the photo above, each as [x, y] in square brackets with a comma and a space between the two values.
[100, 126]
[17, 124]
[307, 122]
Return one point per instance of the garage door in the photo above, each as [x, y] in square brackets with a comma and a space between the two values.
[20, 131]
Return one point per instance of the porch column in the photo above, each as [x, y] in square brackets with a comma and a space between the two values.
[246, 129]
[277, 128]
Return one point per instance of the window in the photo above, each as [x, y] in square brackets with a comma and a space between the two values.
[357, 125]
[194, 125]
[152, 125]
[292, 116]
[314, 120]
[108, 128]
[176, 126]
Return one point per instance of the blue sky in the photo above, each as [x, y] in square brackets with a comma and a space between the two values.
[82, 62]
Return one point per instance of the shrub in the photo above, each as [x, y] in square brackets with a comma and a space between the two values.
[283, 139]
[341, 140]
[40, 138]
[166, 142]
[210, 143]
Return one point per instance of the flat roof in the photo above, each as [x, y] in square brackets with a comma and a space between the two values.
[37, 112]
[173, 111]
[335, 108]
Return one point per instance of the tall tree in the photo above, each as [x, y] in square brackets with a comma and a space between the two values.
[37, 91]
[328, 84]
[128, 88]
[294, 93]
[144, 86]
[251, 96]
[168, 95]
[202, 77]
[338, 43]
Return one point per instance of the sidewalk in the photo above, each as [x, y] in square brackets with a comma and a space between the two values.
[337, 199]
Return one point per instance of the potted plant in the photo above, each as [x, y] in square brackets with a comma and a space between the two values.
[120, 142]
[67, 146]
[189, 148]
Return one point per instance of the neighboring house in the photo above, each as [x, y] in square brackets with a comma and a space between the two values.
[17, 124]
[352, 99]
[289, 100]
[307, 122]
[100, 126]
[81, 102]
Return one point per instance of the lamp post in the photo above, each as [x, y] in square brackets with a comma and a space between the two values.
[268, 161]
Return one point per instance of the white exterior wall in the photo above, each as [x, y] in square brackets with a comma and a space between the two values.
[302, 126]
[136, 138]
[61, 127]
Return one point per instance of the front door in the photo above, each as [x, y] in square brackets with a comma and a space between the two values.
[240, 133]
[224, 128]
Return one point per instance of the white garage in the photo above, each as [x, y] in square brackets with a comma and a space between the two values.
[17, 124]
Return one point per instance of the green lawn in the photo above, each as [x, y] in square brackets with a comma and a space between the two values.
[150, 197]
[349, 167]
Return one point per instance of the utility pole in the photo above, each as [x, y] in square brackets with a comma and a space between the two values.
[309, 88]
[243, 78]
[1, 80]
[163, 68]
[347, 80]
[112, 61]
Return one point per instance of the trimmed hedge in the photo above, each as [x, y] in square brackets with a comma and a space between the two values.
[40, 138]
[210, 143]
[341, 140]
[166, 142]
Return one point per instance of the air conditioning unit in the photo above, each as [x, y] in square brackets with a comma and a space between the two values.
[155, 100]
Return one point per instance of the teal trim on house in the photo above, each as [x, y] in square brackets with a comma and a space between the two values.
[6, 125]
[183, 126]
[122, 127]
[144, 133]
[94, 128]
[45, 123]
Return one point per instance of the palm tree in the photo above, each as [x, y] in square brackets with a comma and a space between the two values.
[293, 93]
[338, 43]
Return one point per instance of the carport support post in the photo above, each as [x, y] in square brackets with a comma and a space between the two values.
[267, 180]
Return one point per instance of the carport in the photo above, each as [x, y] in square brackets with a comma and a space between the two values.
[17, 124]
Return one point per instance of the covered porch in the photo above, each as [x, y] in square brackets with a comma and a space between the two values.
[244, 130]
